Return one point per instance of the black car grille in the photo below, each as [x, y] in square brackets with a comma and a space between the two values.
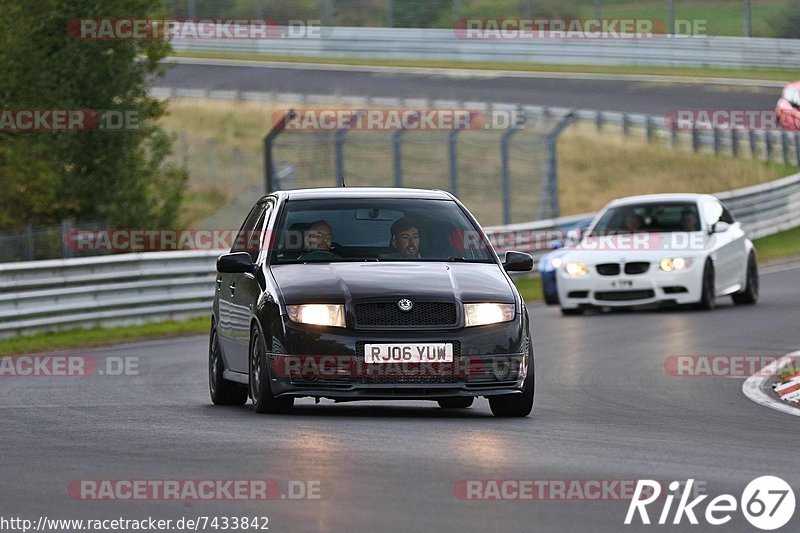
[622, 296]
[613, 269]
[608, 269]
[636, 267]
[387, 314]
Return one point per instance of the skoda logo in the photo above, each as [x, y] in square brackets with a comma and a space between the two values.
[405, 304]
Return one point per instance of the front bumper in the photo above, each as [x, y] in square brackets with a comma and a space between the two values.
[624, 290]
[329, 363]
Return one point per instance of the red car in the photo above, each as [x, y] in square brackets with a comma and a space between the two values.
[788, 108]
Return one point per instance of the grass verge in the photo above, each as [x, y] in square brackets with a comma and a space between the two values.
[780, 245]
[769, 74]
[85, 338]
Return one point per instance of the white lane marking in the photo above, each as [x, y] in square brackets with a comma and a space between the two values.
[475, 73]
[752, 387]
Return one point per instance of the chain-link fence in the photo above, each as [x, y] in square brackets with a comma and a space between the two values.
[504, 175]
[47, 242]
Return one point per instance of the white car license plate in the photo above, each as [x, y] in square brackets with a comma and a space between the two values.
[441, 352]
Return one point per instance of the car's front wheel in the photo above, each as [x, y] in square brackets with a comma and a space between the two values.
[749, 295]
[516, 405]
[223, 392]
[260, 390]
[708, 292]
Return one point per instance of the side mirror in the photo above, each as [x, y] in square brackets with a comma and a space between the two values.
[720, 227]
[518, 262]
[235, 263]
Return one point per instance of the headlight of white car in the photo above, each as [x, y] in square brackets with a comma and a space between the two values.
[577, 269]
[668, 264]
[482, 314]
[317, 314]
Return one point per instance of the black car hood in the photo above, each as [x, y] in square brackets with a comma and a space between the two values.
[431, 281]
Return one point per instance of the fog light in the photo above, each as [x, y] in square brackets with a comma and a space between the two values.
[501, 368]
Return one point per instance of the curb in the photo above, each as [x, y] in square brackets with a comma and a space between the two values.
[756, 386]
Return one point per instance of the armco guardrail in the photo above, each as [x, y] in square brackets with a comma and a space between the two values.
[107, 290]
[444, 44]
[132, 288]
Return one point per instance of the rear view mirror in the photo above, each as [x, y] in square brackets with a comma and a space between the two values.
[518, 262]
[235, 263]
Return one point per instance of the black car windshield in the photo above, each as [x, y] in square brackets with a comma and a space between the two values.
[648, 217]
[339, 230]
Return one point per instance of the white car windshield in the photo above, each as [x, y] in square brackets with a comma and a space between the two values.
[649, 217]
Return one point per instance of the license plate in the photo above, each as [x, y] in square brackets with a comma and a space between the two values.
[441, 352]
[622, 283]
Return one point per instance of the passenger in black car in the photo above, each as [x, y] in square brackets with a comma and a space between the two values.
[405, 239]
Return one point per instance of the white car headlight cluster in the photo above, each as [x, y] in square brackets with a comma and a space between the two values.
[556, 262]
[669, 264]
[577, 269]
[487, 313]
[317, 314]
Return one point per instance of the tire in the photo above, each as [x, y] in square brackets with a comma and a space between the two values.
[458, 402]
[516, 405]
[550, 299]
[571, 312]
[260, 390]
[708, 299]
[749, 296]
[223, 392]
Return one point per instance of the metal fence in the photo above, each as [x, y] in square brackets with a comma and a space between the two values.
[443, 44]
[508, 174]
[134, 288]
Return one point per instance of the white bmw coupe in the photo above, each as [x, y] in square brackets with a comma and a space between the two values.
[659, 249]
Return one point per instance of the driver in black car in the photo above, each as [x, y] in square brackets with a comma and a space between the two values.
[319, 237]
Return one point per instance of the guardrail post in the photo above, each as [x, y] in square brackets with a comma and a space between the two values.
[797, 147]
[339, 138]
[626, 124]
[734, 142]
[751, 135]
[695, 138]
[269, 165]
[397, 153]
[506, 169]
[452, 144]
[552, 164]
[785, 147]
[29, 242]
[397, 157]
[599, 119]
[768, 142]
[673, 136]
[717, 142]
[66, 228]
[648, 124]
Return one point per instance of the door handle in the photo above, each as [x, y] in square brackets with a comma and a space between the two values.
[232, 287]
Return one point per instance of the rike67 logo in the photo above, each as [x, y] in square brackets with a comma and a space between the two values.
[767, 503]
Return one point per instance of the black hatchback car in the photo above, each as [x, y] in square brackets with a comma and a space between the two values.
[368, 294]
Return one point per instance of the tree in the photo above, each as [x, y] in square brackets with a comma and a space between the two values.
[117, 176]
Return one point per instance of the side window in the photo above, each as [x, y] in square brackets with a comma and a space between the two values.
[712, 211]
[248, 237]
[727, 216]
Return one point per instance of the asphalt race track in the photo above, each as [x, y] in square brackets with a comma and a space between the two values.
[651, 97]
[605, 409]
